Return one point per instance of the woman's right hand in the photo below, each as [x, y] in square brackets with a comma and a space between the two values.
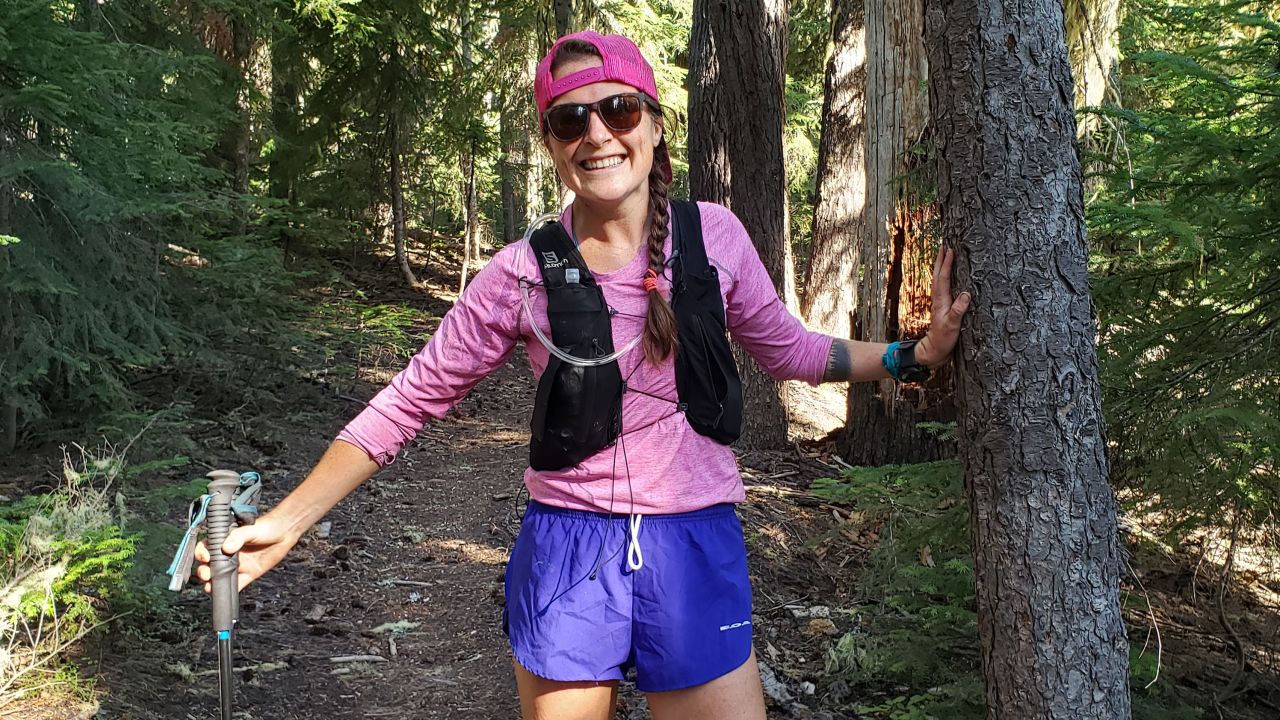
[260, 546]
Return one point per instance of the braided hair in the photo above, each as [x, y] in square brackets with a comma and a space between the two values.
[660, 321]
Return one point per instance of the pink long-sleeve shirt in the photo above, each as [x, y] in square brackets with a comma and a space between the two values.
[668, 468]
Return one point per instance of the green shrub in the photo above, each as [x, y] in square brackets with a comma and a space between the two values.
[63, 559]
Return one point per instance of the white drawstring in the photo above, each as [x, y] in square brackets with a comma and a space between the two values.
[635, 559]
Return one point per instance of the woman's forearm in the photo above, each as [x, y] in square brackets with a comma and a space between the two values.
[341, 470]
[855, 361]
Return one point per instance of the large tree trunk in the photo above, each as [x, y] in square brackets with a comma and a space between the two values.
[841, 196]
[397, 200]
[894, 289]
[1046, 552]
[737, 51]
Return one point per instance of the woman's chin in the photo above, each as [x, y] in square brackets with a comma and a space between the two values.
[604, 193]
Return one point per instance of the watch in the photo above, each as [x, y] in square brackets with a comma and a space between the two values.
[904, 362]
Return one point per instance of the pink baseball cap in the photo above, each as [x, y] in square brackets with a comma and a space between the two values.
[621, 61]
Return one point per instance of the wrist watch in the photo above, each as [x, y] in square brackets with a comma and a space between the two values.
[909, 370]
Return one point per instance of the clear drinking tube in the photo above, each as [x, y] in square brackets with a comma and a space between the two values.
[542, 338]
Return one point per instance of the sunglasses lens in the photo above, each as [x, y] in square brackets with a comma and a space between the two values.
[568, 122]
[620, 112]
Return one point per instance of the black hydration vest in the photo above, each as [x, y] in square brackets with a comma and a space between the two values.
[578, 410]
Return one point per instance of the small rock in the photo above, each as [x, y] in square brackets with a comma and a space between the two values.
[808, 688]
[316, 614]
[774, 688]
[323, 529]
[798, 611]
[820, 611]
[818, 627]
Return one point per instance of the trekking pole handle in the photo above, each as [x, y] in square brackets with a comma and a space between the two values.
[223, 485]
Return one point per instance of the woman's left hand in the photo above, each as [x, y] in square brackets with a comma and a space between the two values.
[944, 329]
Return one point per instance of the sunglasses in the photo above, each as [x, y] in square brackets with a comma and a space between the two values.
[620, 113]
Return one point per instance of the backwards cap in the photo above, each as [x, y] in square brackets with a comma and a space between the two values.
[621, 62]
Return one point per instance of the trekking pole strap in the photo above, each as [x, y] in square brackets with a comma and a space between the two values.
[243, 507]
[180, 569]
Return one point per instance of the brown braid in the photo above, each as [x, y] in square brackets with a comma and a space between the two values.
[660, 321]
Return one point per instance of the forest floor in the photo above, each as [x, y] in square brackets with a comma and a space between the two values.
[407, 572]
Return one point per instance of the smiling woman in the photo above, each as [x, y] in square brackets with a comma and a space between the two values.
[620, 438]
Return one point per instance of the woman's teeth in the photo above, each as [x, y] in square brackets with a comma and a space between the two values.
[602, 163]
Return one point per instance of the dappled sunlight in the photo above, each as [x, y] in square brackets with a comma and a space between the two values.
[466, 551]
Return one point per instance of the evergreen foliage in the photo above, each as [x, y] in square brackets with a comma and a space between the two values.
[1187, 243]
[65, 556]
[918, 631]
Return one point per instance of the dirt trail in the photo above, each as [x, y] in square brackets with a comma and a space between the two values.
[423, 544]
[409, 568]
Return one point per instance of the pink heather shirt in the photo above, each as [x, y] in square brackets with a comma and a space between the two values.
[669, 467]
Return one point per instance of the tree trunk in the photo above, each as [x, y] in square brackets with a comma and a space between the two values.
[397, 201]
[8, 409]
[511, 173]
[1046, 552]
[894, 289]
[470, 229]
[737, 51]
[1091, 42]
[564, 16]
[284, 114]
[838, 223]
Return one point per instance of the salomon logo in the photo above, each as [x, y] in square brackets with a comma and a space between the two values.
[550, 260]
[736, 625]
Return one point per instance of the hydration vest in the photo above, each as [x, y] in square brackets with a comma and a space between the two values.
[578, 410]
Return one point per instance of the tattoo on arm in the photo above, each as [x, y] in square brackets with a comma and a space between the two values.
[839, 363]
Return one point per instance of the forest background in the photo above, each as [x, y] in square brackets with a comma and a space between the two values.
[179, 179]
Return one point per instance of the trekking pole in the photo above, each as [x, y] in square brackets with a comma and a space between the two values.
[232, 499]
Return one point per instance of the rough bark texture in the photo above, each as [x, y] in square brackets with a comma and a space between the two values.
[1092, 44]
[838, 223]
[736, 74]
[896, 253]
[564, 16]
[397, 202]
[1047, 556]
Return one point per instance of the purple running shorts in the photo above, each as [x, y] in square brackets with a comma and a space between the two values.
[576, 611]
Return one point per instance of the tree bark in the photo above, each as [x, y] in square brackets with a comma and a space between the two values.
[896, 253]
[838, 223]
[564, 16]
[1091, 43]
[8, 409]
[397, 201]
[1046, 552]
[469, 231]
[284, 114]
[737, 51]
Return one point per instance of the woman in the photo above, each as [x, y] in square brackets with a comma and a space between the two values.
[631, 555]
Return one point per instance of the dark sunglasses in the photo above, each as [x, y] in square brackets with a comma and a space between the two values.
[620, 113]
